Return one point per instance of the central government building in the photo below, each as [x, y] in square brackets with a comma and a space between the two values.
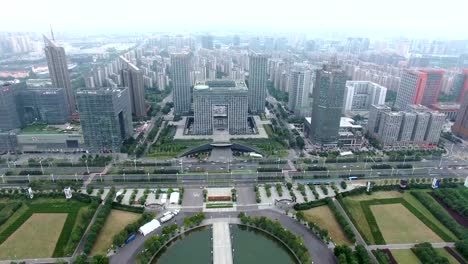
[220, 105]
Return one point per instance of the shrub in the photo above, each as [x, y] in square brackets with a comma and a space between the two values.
[426, 253]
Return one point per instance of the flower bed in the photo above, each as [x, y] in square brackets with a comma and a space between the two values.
[219, 198]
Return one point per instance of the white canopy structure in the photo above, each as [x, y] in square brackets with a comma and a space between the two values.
[149, 227]
[174, 199]
[255, 155]
[163, 198]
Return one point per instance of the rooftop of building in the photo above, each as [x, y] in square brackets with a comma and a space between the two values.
[220, 85]
[50, 129]
[369, 83]
[418, 108]
[446, 106]
[346, 122]
[100, 90]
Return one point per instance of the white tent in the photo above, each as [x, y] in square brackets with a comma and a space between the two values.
[163, 198]
[149, 227]
[174, 199]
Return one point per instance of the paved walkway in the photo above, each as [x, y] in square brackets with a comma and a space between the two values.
[222, 250]
[411, 245]
[38, 261]
[359, 239]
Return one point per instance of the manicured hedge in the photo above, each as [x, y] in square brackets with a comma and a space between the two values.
[128, 208]
[441, 214]
[219, 205]
[309, 205]
[9, 209]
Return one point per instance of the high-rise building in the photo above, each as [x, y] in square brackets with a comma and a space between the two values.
[390, 124]
[180, 70]
[257, 82]
[460, 86]
[58, 70]
[436, 122]
[407, 127]
[419, 87]
[300, 83]
[46, 105]
[9, 117]
[220, 105]
[106, 117]
[132, 77]
[418, 126]
[422, 121]
[375, 114]
[360, 95]
[207, 42]
[460, 128]
[328, 94]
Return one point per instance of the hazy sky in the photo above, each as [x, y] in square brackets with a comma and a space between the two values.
[393, 17]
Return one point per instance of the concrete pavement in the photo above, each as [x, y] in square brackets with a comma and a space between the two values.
[411, 245]
[222, 248]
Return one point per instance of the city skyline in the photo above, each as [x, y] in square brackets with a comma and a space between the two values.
[362, 17]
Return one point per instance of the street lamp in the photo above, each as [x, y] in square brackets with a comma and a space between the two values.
[42, 168]
[87, 168]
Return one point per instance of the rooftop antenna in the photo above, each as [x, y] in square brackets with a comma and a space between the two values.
[52, 33]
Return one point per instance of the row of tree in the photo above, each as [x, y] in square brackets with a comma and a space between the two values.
[99, 222]
[427, 255]
[295, 243]
[441, 214]
[346, 255]
[455, 199]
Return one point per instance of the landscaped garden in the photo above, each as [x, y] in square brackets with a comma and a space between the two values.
[394, 217]
[323, 217]
[167, 147]
[51, 225]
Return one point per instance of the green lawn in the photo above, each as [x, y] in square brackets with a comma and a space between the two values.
[405, 256]
[398, 225]
[29, 241]
[353, 206]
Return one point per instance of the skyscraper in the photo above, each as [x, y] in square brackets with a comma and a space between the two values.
[58, 70]
[258, 64]
[180, 70]
[419, 87]
[9, 117]
[207, 42]
[460, 86]
[300, 83]
[106, 117]
[47, 105]
[327, 104]
[132, 77]
[460, 128]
